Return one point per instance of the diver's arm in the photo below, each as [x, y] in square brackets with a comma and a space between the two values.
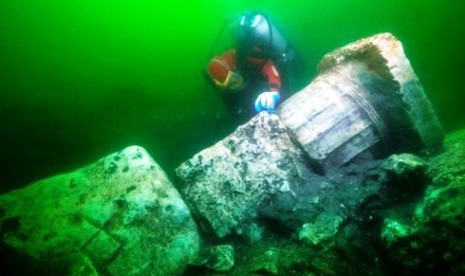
[268, 101]
[222, 71]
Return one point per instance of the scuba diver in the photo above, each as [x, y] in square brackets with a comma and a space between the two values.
[254, 75]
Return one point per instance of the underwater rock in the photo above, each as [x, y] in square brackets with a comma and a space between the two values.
[316, 183]
[406, 176]
[220, 258]
[429, 239]
[267, 262]
[305, 201]
[404, 164]
[211, 258]
[118, 216]
[320, 229]
[254, 233]
[366, 99]
[224, 184]
[320, 204]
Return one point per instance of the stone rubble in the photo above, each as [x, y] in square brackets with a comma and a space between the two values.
[266, 199]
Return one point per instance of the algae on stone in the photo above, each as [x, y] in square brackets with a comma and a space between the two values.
[120, 215]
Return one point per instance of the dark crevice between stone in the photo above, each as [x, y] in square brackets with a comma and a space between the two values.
[10, 225]
[14, 262]
[314, 165]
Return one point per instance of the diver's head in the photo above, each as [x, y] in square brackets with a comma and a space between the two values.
[254, 31]
[250, 19]
[250, 24]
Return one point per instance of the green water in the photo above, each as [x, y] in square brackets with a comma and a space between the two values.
[82, 79]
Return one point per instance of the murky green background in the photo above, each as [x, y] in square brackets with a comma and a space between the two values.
[82, 79]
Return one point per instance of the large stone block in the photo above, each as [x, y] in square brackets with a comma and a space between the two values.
[365, 99]
[225, 183]
[119, 216]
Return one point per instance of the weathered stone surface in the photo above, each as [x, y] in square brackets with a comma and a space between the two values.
[429, 240]
[319, 205]
[304, 202]
[118, 216]
[267, 262]
[384, 57]
[366, 99]
[346, 218]
[211, 258]
[322, 228]
[221, 258]
[225, 183]
[404, 164]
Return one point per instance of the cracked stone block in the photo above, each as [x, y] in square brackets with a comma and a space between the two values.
[120, 215]
[102, 248]
[225, 184]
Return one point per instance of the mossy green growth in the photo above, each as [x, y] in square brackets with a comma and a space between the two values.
[394, 229]
[120, 215]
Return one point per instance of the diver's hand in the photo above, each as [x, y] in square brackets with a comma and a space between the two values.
[267, 101]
